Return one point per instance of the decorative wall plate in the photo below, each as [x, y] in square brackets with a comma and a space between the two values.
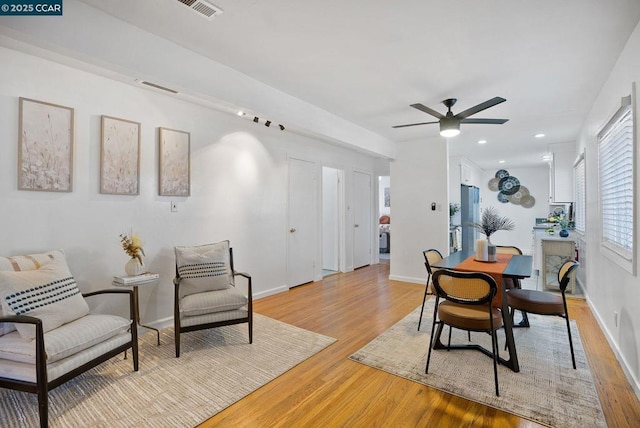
[509, 185]
[502, 173]
[527, 201]
[503, 198]
[493, 184]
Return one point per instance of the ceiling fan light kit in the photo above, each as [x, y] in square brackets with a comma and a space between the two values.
[449, 127]
[450, 123]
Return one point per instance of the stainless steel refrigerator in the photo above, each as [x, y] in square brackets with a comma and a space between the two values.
[469, 213]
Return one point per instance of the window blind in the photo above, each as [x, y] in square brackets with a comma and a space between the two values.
[615, 165]
[580, 208]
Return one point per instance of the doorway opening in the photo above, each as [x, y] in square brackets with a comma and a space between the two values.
[384, 219]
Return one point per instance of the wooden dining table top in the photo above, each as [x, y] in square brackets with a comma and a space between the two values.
[519, 266]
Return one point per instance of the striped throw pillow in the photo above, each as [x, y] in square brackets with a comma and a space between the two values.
[49, 293]
[204, 268]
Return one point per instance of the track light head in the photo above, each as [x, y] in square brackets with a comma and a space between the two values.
[255, 119]
[281, 127]
[267, 123]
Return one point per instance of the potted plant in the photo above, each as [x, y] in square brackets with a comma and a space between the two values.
[490, 223]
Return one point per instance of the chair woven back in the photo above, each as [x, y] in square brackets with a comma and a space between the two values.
[564, 273]
[508, 249]
[472, 288]
[431, 256]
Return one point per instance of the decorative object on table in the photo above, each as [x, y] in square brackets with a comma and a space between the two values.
[174, 169]
[143, 278]
[132, 245]
[119, 156]
[510, 189]
[45, 146]
[564, 224]
[490, 223]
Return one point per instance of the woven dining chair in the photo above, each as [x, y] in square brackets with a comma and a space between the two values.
[430, 256]
[546, 303]
[513, 283]
[466, 305]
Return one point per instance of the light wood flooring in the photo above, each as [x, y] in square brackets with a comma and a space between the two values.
[329, 390]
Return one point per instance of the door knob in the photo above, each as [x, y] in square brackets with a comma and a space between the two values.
[357, 225]
[292, 230]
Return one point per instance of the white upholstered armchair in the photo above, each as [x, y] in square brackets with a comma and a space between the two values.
[206, 295]
[48, 331]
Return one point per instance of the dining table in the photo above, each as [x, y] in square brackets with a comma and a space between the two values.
[515, 267]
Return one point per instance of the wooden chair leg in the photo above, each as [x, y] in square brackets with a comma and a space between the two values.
[43, 406]
[177, 342]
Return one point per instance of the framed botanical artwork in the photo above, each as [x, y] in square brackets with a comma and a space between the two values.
[175, 167]
[119, 156]
[45, 146]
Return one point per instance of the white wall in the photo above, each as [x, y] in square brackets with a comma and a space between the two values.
[535, 179]
[419, 176]
[611, 289]
[239, 183]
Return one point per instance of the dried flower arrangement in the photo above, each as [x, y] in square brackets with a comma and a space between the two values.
[132, 245]
[491, 222]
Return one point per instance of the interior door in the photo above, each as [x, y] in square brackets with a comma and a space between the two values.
[302, 222]
[362, 231]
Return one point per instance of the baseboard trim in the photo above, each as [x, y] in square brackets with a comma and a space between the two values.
[270, 292]
[407, 279]
[635, 383]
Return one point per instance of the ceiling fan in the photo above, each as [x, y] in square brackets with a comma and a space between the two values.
[450, 123]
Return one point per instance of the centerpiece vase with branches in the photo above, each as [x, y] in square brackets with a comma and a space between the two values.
[490, 223]
[132, 245]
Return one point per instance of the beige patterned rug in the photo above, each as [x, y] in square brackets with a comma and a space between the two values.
[547, 389]
[216, 368]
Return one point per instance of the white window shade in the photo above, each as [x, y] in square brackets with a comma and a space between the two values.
[580, 208]
[616, 172]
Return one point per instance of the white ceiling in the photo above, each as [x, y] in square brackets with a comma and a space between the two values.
[367, 60]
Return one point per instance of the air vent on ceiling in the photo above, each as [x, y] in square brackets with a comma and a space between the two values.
[202, 8]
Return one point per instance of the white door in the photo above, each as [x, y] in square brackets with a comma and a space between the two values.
[362, 231]
[302, 222]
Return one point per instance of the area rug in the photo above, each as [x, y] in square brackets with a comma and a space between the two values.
[216, 368]
[547, 389]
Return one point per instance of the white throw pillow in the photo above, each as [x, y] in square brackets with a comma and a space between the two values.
[22, 263]
[49, 293]
[204, 268]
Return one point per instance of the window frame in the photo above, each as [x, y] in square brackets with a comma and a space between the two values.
[580, 194]
[617, 253]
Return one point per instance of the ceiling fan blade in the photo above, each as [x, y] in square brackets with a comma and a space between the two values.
[489, 121]
[482, 106]
[413, 124]
[428, 110]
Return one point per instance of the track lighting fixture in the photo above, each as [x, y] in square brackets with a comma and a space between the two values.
[255, 119]
[240, 113]
[281, 127]
[267, 123]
